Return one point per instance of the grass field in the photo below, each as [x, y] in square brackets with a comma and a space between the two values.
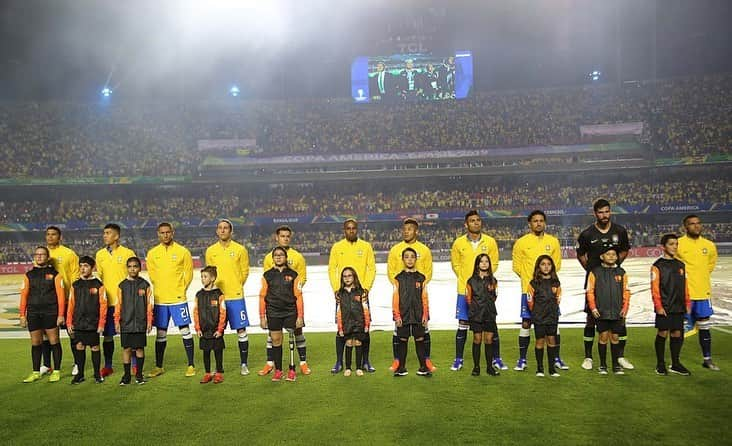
[580, 407]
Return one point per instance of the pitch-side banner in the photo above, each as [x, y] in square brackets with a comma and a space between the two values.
[623, 128]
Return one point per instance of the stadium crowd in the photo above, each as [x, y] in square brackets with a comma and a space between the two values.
[686, 117]
[211, 202]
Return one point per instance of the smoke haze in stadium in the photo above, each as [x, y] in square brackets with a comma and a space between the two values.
[282, 49]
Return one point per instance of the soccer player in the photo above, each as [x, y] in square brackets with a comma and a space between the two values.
[480, 295]
[526, 250]
[133, 319]
[462, 257]
[232, 264]
[170, 267]
[87, 315]
[111, 269]
[411, 309]
[670, 301]
[544, 295]
[42, 308]
[353, 317]
[66, 262]
[296, 261]
[394, 265]
[608, 298]
[700, 257]
[359, 255]
[209, 314]
[592, 242]
[280, 306]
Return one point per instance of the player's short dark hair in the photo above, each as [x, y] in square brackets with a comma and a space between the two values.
[408, 249]
[471, 213]
[411, 221]
[689, 217]
[599, 204]
[54, 228]
[88, 260]
[349, 220]
[113, 226]
[666, 237]
[536, 212]
[210, 270]
[164, 224]
[283, 228]
[226, 220]
[135, 260]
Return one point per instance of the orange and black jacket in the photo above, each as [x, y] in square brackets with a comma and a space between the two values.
[607, 292]
[42, 292]
[352, 312]
[87, 305]
[409, 301]
[480, 294]
[668, 286]
[543, 296]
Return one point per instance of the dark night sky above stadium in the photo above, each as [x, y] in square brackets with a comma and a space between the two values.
[189, 49]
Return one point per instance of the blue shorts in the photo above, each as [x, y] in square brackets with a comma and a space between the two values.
[179, 312]
[461, 309]
[525, 312]
[701, 309]
[236, 313]
[109, 323]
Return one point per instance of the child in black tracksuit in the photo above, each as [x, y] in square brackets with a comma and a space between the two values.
[480, 294]
[544, 297]
[209, 315]
[353, 318]
[410, 306]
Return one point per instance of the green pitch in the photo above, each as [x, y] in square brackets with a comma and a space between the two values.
[580, 407]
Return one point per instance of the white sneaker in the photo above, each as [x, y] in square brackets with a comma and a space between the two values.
[75, 370]
[45, 370]
[587, 364]
[244, 370]
[624, 363]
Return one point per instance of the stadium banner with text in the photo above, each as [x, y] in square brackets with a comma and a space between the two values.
[411, 77]
[240, 147]
[93, 180]
[620, 129]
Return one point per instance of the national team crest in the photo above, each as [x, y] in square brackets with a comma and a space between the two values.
[288, 278]
[49, 276]
[615, 239]
[93, 291]
[547, 248]
[141, 292]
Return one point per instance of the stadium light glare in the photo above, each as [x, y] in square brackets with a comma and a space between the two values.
[595, 75]
[106, 92]
[234, 91]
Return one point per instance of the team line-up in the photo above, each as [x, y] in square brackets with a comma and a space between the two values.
[62, 291]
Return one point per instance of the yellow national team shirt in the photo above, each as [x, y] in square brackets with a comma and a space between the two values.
[359, 255]
[527, 249]
[395, 265]
[66, 262]
[171, 272]
[463, 254]
[232, 268]
[295, 261]
[700, 258]
[112, 269]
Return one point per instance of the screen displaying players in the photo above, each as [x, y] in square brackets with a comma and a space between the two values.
[411, 77]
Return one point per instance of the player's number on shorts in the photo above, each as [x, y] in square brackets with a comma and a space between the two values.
[243, 315]
[184, 312]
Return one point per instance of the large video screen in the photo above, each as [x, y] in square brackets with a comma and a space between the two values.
[412, 77]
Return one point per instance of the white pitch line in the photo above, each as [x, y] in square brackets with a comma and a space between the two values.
[723, 330]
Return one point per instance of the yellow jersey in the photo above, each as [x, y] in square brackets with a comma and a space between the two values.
[112, 269]
[700, 257]
[295, 261]
[463, 254]
[232, 268]
[171, 271]
[527, 249]
[395, 265]
[66, 262]
[359, 255]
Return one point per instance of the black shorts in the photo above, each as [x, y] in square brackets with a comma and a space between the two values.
[673, 321]
[278, 323]
[358, 335]
[211, 343]
[614, 325]
[87, 338]
[483, 326]
[41, 321]
[416, 330]
[133, 340]
[545, 330]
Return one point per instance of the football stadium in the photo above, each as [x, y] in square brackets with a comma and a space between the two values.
[471, 222]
